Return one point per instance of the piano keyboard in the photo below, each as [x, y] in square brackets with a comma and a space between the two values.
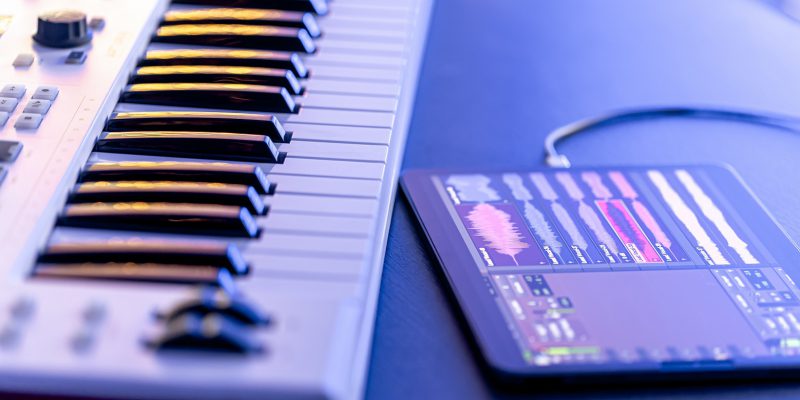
[215, 218]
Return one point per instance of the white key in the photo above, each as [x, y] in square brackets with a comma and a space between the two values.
[393, 75]
[347, 102]
[310, 115]
[333, 133]
[316, 205]
[335, 151]
[363, 88]
[327, 168]
[265, 265]
[339, 226]
[357, 60]
[359, 47]
[282, 243]
[326, 186]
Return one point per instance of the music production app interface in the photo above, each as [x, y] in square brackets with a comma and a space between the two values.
[623, 266]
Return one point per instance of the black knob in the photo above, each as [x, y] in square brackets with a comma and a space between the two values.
[64, 28]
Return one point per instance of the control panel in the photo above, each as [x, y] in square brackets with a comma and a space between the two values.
[62, 69]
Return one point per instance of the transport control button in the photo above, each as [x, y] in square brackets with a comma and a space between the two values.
[9, 150]
[14, 90]
[37, 106]
[28, 121]
[45, 93]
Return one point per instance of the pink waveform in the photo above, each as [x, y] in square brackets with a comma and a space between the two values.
[623, 185]
[595, 182]
[495, 227]
[647, 254]
[641, 210]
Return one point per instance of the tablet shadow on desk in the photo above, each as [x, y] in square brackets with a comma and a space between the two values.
[423, 347]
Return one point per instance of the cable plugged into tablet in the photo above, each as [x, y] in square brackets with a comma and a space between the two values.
[557, 160]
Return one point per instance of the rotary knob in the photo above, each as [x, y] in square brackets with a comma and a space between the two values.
[63, 28]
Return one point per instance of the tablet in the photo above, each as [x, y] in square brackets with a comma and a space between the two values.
[646, 271]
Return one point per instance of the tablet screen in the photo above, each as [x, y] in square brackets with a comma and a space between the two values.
[636, 267]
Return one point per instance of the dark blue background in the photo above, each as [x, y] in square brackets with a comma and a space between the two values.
[499, 74]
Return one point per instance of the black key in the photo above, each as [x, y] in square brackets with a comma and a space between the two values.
[218, 74]
[244, 16]
[211, 145]
[207, 332]
[232, 35]
[9, 150]
[198, 254]
[214, 300]
[319, 7]
[161, 273]
[199, 121]
[245, 58]
[170, 192]
[231, 96]
[185, 171]
[194, 219]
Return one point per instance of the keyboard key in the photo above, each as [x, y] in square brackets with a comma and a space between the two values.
[244, 16]
[161, 273]
[190, 219]
[198, 121]
[170, 192]
[140, 251]
[246, 58]
[28, 121]
[23, 60]
[9, 150]
[211, 332]
[319, 7]
[14, 90]
[75, 57]
[212, 95]
[212, 145]
[242, 174]
[243, 36]
[216, 300]
[37, 106]
[218, 74]
[45, 93]
[8, 104]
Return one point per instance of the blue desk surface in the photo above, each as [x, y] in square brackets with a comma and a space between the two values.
[499, 74]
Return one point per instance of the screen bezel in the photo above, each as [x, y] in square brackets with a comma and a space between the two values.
[497, 345]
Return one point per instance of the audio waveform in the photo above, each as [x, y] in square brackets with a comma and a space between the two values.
[713, 213]
[687, 218]
[473, 187]
[629, 231]
[641, 210]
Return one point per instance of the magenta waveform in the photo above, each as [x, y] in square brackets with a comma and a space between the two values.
[629, 231]
[595, 182]
[496, 228]
[641, 210]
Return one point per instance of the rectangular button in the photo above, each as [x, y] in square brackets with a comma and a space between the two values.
[23, 60]
[28, 121]
[45, 93]
[14, 90]
[3, 118]
[75, 57]
[37, 106]
[9, 150]
[8, 104]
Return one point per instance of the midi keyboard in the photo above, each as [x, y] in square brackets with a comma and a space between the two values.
[195, 195]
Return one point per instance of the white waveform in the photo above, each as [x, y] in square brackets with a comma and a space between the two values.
[518, 189]
[543, 186]
[713, 213]
[572, 230]
[687, 217]
[542, 227]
